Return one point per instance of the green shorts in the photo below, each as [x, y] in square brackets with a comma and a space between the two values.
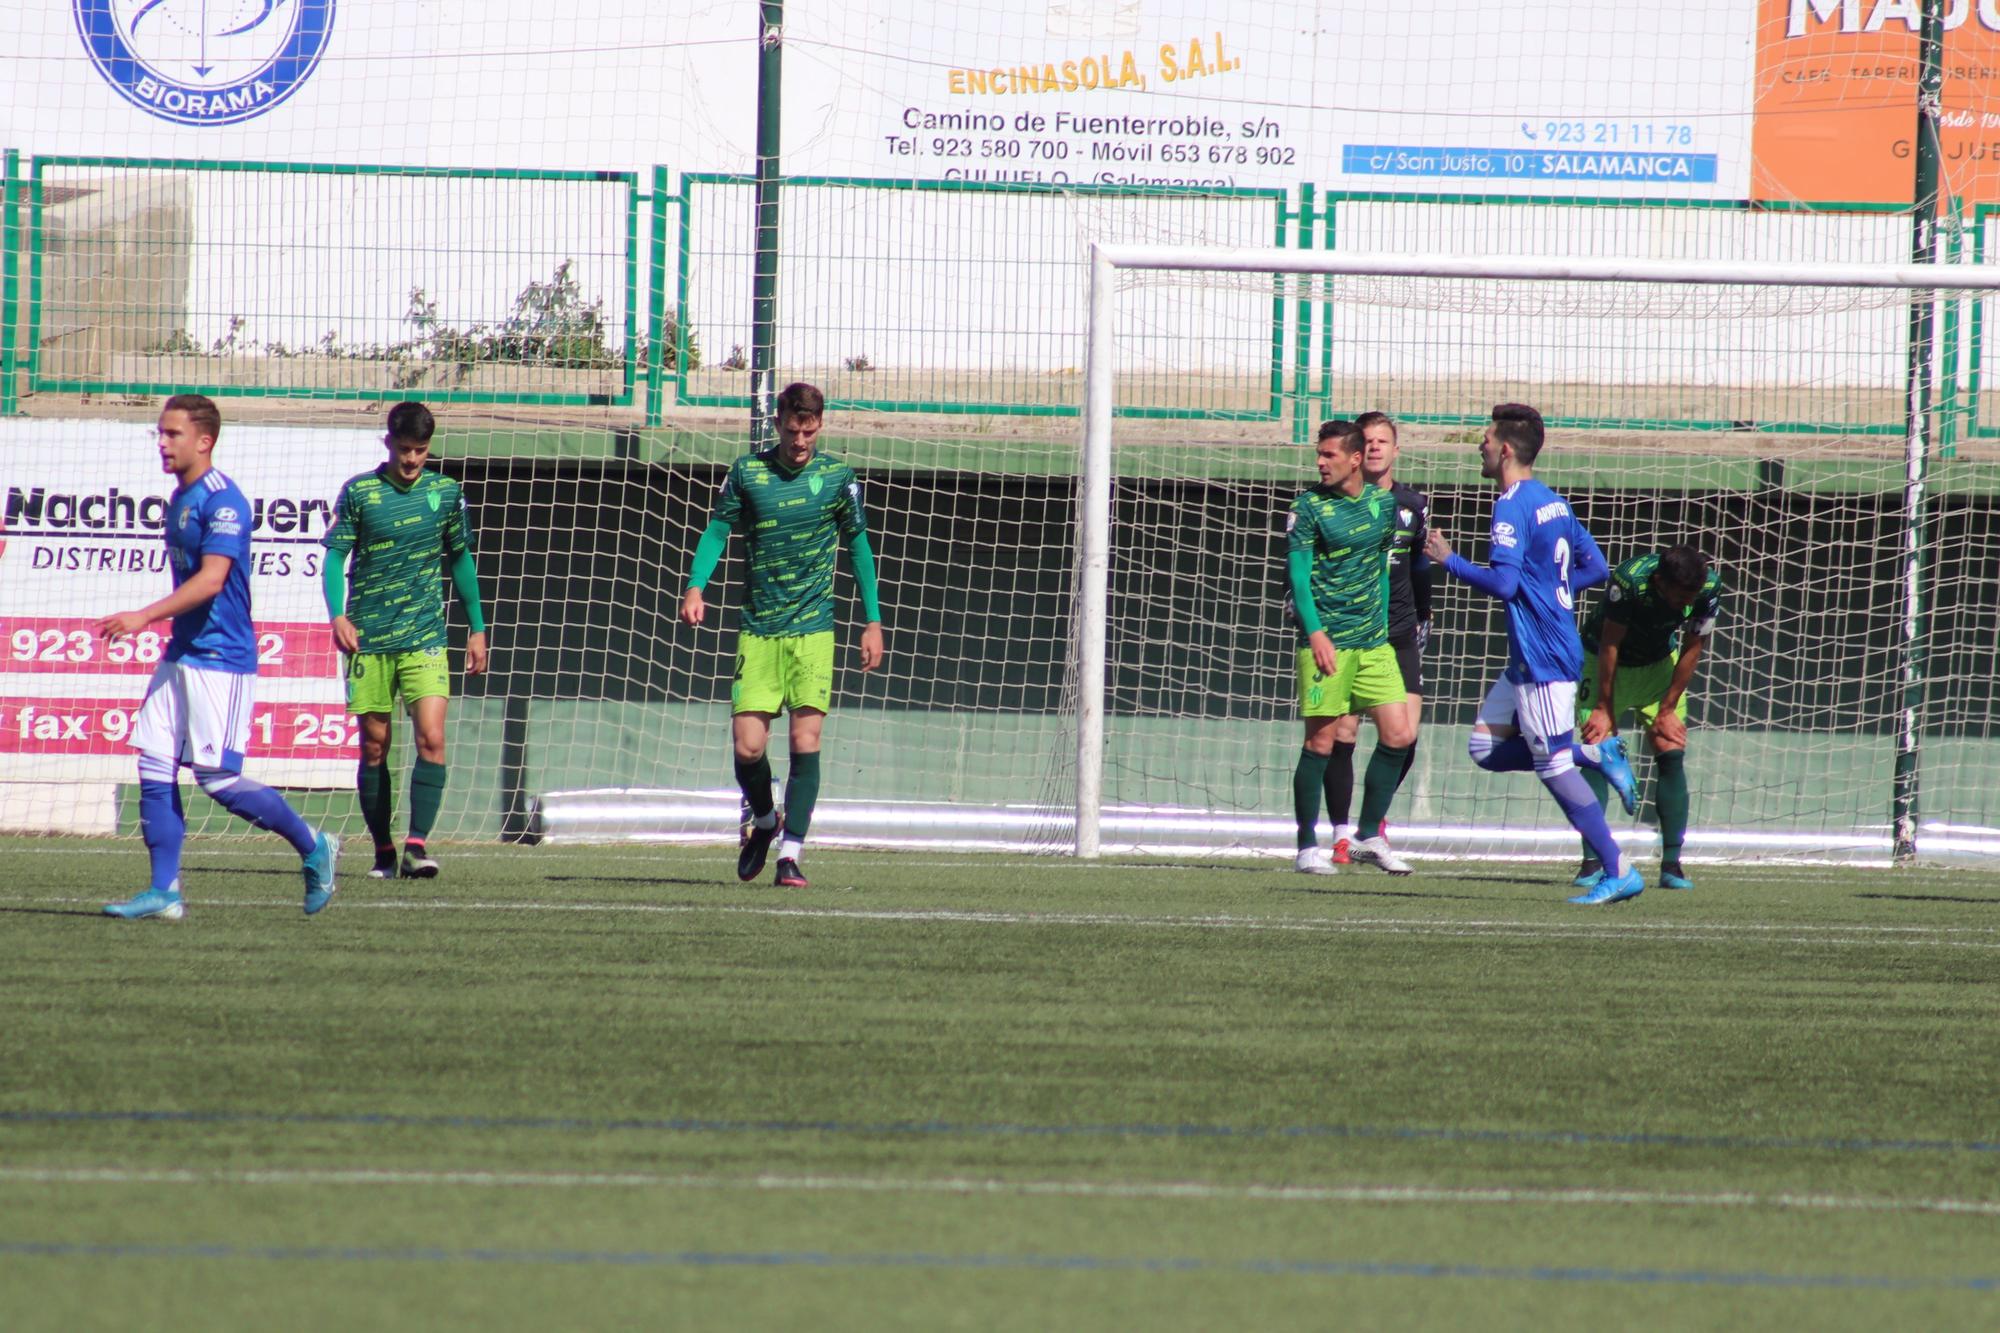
[1637, 689]
[773, 675]
[1362, 678]
[375, 679]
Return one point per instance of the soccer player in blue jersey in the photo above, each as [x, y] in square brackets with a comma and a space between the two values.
[1541, 558]
[197, 708]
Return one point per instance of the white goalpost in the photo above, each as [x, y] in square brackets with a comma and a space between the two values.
[1762, 331]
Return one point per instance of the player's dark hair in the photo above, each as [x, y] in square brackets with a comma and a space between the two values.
[412, 422]
[1351, 441]
[1684, 567]
[201, 410]
[1338, 426]
[1367, 419]
[800, 400]
[1519, 426]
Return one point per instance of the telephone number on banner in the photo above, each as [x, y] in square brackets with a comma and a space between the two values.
[67, 645]
[103, 726]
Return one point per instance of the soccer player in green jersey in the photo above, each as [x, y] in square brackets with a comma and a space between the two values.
[794, 507]
[1631, 664]
[1339, 534]
[395, 532]
[1412, 579]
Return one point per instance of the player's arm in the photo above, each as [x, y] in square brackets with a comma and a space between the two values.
[1298, 575]
[852, 517]
[1501, 579]
[200, 589]
[708, 552]
[465, 582]
[1423, 575]
[1600, 723]
[1671, 726]
[1588, 567]
[339, 541]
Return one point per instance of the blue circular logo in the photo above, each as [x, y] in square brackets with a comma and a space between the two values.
[205, 62]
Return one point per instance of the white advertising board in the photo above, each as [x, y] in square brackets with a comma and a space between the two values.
[83, 503]
[1562, 97]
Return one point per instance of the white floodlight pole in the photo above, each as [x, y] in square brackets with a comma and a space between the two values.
[1093, 556]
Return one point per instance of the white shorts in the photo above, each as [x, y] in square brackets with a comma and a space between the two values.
[1539, 712]
[196, 716]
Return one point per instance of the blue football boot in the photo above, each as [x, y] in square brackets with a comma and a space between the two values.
[153, 904]
[1628, 885]
[1617, 770]
[318, 868]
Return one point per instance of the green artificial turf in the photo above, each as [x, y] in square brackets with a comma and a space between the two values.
[592, 1088]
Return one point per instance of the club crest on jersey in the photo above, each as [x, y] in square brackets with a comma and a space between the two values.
[434, 501]
[204, 62]
[814, 483]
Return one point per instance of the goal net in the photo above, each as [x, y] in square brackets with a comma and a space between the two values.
[1785, 418]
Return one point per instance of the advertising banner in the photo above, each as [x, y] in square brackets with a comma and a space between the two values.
[84, 502]
[1837, 101]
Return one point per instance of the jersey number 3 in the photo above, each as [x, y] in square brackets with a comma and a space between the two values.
[1562, 575]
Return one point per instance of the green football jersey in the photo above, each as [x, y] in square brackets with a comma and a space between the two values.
[1650, 624]
[400, 541]
[793, 525]
[1349, 538]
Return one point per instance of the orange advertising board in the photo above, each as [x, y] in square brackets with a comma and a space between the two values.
[1836, 106]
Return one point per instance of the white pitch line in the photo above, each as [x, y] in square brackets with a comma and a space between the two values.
[1193, 1191]
[1446, 867]
[1644, 931]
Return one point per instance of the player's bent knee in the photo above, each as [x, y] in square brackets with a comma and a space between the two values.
[216, 781]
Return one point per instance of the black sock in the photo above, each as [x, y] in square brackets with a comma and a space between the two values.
[1339, 782]
[754, 778]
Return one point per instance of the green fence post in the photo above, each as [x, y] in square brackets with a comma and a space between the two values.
[656, 303]
[10, 284]
[1904, 789]
[764, 283]
[1302, 312]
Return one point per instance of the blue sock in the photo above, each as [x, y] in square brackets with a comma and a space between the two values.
[163, 824]
[1585, 815]
[246, 798]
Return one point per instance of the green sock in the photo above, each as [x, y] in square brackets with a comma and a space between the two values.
[1670, 799]
[1307, 780]
[801, 794]
[1378, 788]
[1602, 790]
[426, 794]
[377, 789]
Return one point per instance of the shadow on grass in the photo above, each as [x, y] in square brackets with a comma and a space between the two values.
[1416, 894]
[648, 880]
[1930, 898]
[54, 911]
